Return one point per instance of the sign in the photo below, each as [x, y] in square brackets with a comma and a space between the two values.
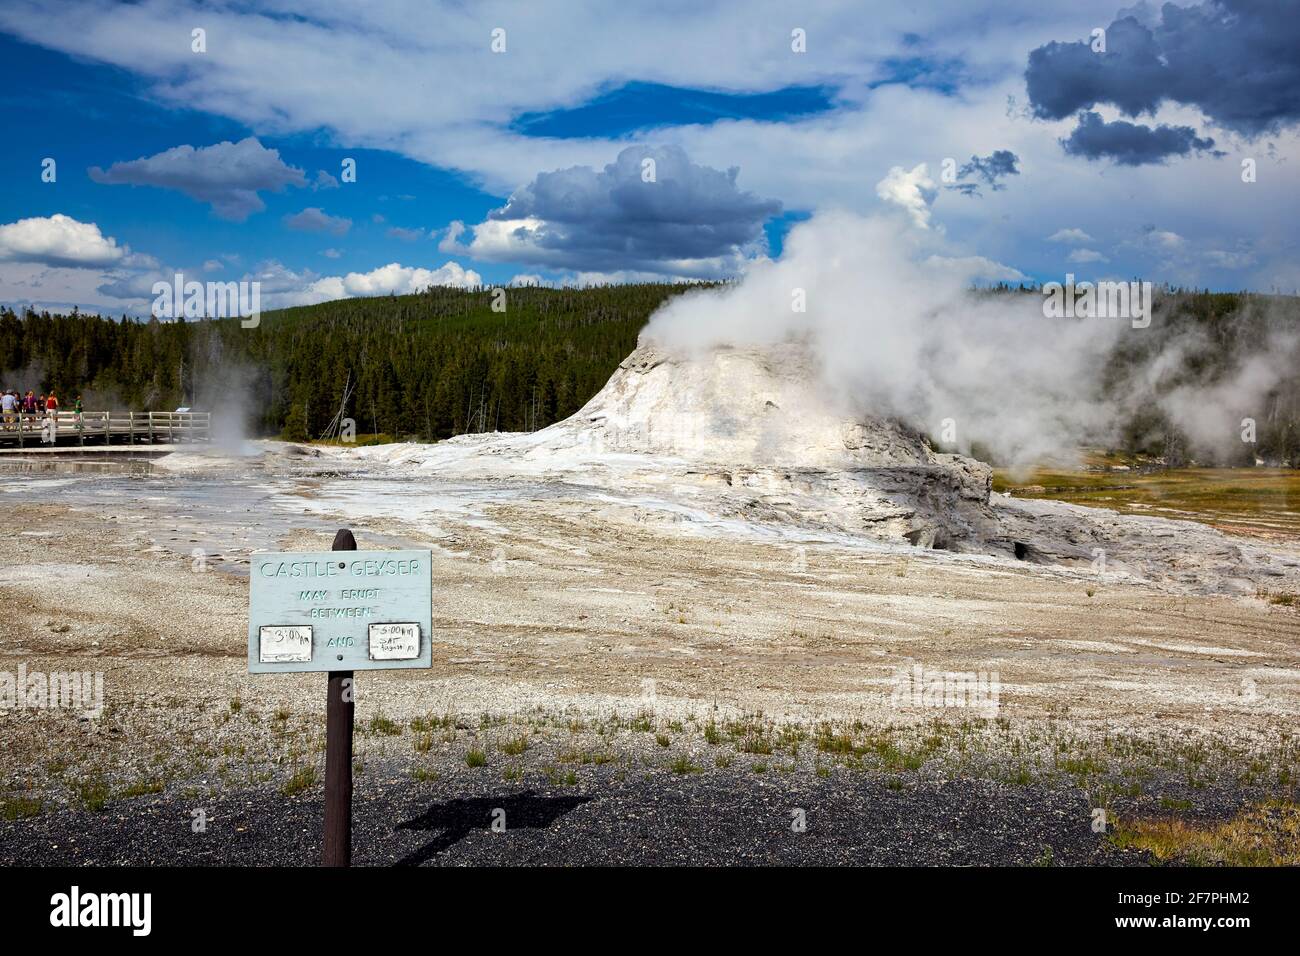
[339, 611]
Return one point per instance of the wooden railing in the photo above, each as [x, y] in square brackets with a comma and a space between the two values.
[104, 427]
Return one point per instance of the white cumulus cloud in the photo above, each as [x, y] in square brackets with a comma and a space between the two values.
[1069, 235]
[60, 240]
[1086, 255]
[282, 287]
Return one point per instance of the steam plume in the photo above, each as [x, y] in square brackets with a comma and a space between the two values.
[897, 332]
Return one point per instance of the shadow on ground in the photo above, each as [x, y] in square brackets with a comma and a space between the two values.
[456, 818]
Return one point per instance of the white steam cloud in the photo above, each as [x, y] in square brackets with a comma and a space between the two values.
[898, 333]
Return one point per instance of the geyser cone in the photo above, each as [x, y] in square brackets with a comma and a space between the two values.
[759, 418]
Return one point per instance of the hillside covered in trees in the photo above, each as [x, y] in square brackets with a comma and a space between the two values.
[431, 365]
[442, 362]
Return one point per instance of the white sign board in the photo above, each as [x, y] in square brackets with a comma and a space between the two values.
[339, 610]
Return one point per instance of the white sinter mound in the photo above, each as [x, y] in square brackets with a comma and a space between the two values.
[743, 433]
[731, 406]
[747, 434]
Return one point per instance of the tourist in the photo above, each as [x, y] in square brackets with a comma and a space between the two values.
[8, 402]
[52, 409]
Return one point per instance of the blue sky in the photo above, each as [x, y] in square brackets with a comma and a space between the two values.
[87, 114]
[997, 131]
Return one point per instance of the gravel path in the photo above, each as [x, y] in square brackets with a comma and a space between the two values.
[655, 819]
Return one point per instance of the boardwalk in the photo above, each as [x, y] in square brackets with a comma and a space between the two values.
[105, 428]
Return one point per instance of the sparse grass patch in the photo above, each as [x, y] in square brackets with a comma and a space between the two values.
[143, 788]
[1081, 767]
[356, 441]
[1239, 500]
[1019, 776]
[475, 758]
[642, 723]
[682, 764]
[384, 726]
[585, 757]
[430, 722]
[894, 758]
[303, 779]
[516, 746]
[1265, 835]
[92, 793]
[832, 743]
[19, 807]
[790, 736]
[561, 778]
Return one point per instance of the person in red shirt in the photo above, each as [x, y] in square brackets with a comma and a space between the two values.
[52, 408]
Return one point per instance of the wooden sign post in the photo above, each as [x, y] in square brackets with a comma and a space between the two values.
[336, 849]
[321, 611]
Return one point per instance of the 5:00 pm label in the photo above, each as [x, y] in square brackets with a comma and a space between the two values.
[394, 642]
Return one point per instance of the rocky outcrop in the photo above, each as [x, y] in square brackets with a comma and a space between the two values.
[1111, 546]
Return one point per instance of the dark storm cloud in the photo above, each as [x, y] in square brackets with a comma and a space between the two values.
[988, 169]
[226, 175]
[615, 219]
[1236, 61]
[1131, 144]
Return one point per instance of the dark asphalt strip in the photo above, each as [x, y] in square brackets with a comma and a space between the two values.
[715, 818]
